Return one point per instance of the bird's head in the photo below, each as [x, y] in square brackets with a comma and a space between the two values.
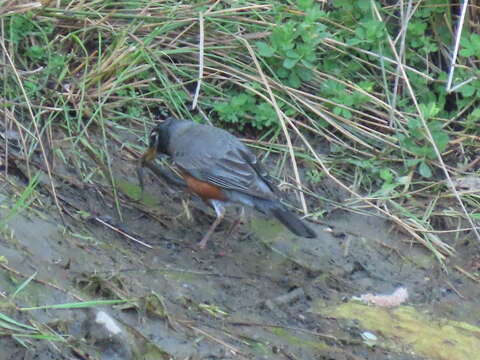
[158, 141]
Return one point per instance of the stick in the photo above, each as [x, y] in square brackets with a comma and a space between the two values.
[200, 60]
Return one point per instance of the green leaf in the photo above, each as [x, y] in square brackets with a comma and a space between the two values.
[414, 123]
[474, 115]
[441, 140]
[470, 45]
[293, 80]
[289, 63]
[468, 90]
[363, 5]
[366, 85]
[428, 152]
[36, 52]
[417, 28]
[264, 49]
[386, 175]
[57, 62]
[412, 162]
[292, 54]
[239, 100]
[312, 16]
[467, 52]
[282, 72]
[305, 4]
[386, 189]
[403, 180]
[429, 110]
[306, 63]
[337, 110]
[424, 170]
[31, 86]
[5, 318]
[76, 305]
[304, 73]
[20, 27]
[360, 32]
[354, 41]
[347, 114]
[307, 52]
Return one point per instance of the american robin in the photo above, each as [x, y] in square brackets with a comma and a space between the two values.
[220, 169]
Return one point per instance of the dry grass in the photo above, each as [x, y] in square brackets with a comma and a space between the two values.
[117, 65]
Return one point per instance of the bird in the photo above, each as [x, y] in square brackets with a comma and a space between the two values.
[221, 170]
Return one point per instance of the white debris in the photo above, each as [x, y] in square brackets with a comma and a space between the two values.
[399, 296]
[108, 322]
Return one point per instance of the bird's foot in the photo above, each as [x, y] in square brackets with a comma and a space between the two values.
[203, 243]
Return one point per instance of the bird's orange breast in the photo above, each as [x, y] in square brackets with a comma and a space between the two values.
[204, 189]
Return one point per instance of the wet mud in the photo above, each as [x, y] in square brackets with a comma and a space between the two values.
[260, 293]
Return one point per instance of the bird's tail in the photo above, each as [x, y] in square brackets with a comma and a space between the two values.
[286, 217]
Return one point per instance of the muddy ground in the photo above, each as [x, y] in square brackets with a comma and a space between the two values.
[258, 294]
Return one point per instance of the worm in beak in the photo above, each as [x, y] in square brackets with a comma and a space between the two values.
[147, 157]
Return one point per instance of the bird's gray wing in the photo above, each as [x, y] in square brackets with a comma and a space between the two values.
[219, 158]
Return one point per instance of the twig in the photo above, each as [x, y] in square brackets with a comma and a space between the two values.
[201, 46]
[173, 269]
[467, 274]
[43, 282]
[200, 60]
[457, 46]
[405, 18]
[233, 349]
[458, 86]
[122, 233]
[310, 332]
[20, 8]
[455, 290]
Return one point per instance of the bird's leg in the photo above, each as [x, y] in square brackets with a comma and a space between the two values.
[220, 211]
[239, 220]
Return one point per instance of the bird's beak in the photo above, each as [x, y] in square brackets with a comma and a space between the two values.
[148, 156]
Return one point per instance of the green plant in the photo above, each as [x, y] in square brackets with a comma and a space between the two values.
[417, 143]
[470, 45]
[292, 46]
[418, 40]
[338, 93]
[20, 26]
[243, 108]
[24, 200]
[472, 123]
